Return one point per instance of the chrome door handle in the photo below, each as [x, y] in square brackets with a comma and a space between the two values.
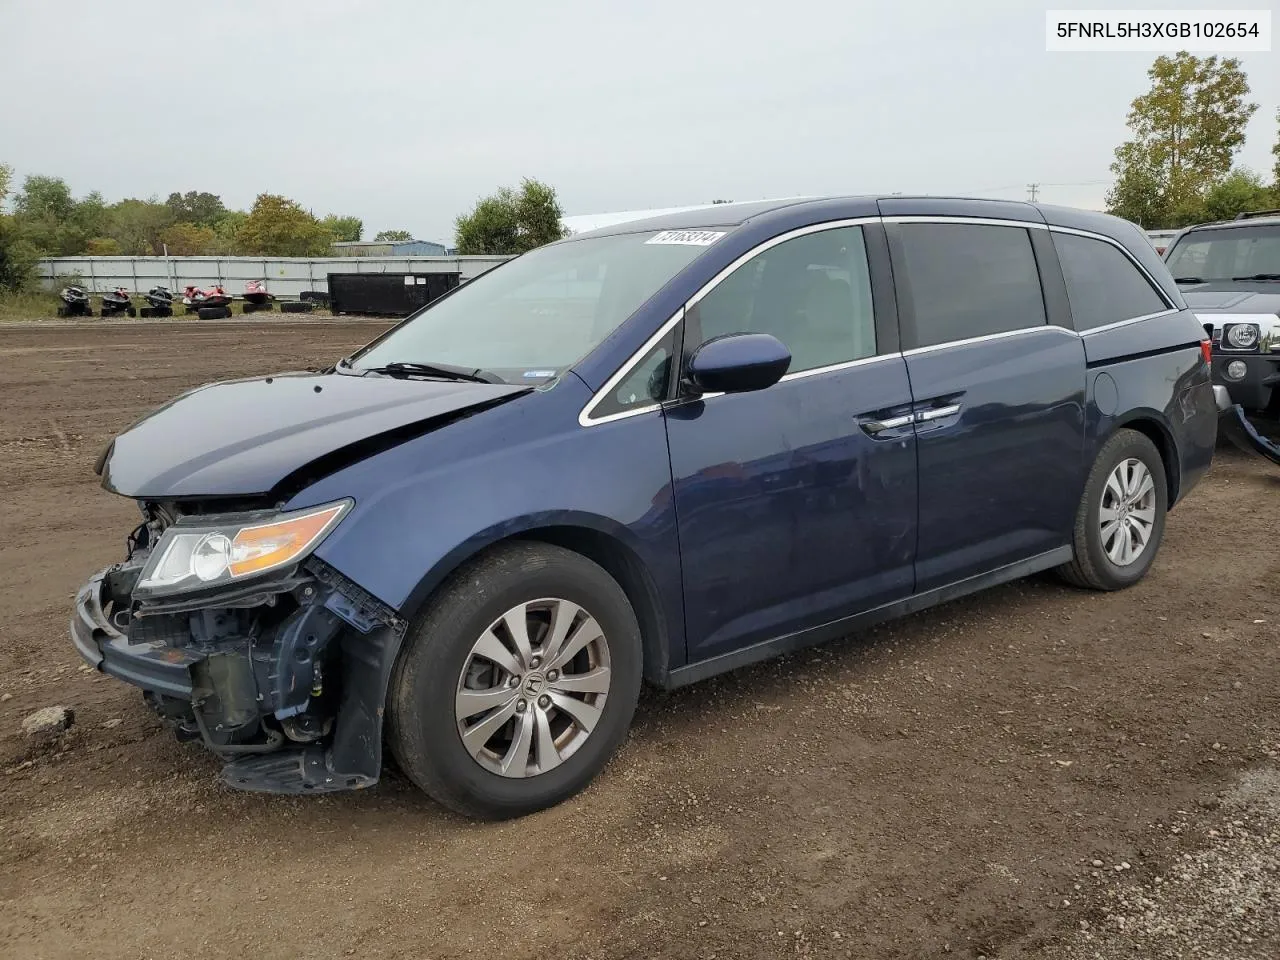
[892, 423]
[937, 413]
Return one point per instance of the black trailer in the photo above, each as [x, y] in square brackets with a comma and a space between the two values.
[387, 294]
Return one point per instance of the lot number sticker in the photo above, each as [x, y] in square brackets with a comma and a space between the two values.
[693, 238]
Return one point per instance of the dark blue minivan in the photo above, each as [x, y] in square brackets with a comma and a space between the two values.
[652, 453]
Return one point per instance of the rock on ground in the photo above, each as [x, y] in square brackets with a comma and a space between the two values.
[48, 722]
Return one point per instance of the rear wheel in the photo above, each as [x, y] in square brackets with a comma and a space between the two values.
[1120, 520]
[518, 684]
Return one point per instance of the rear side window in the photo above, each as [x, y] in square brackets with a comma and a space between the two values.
[1103, 285]
[968, 280]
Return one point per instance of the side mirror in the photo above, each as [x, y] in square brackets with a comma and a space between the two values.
[738, 363]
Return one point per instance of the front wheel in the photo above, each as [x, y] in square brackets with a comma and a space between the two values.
[518, 684]
[1120, 520]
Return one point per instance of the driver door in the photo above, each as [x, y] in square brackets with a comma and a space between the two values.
[796, 504]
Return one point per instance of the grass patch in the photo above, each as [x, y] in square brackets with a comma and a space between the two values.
[36, 305]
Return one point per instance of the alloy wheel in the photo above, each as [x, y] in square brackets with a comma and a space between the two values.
[533, 688]
[1128, 514]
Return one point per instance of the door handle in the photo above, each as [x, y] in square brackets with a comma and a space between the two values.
[874, 427]
[937, 413]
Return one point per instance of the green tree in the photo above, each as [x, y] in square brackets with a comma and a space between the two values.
[225, 242]
[1275, 170]
[393, 235]
[198, 207]
[184, 239]
[6, 178]
[278, 227]
[44, 198]
[511, 222]
[17, 257]
[103, 247]
[343, 228]
[1240, 191]
[137, 224]
[1185, 131]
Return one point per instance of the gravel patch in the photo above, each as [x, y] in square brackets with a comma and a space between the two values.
[1221, 902]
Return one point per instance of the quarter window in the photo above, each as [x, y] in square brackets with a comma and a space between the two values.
[644, 385]
[812, 292]
[968, 280]
[1103, 285]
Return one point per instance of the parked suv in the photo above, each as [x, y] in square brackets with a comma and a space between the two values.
[1229, 274]
[653, 452]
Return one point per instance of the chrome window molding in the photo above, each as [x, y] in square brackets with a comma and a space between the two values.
[587, 420]
[1124, 323]
[1002, 335]
[1168, 301]
[975, 221]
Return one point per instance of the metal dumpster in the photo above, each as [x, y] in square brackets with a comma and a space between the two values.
[387, 294]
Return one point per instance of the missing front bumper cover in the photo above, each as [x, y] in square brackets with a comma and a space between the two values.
[318, 673]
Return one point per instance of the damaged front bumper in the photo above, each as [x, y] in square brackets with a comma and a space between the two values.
[285, 677]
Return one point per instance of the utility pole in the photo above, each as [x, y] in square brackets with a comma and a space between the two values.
[1033, 191]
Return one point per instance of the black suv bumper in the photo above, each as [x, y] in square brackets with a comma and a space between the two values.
[152, 666]
[1252, 391]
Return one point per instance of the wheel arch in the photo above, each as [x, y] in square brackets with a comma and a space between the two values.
[592, 537]
[1150, 424]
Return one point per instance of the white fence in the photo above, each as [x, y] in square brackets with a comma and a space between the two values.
[286, 276]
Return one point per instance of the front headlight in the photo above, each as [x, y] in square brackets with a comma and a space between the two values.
[1241, 336]
[210, 551]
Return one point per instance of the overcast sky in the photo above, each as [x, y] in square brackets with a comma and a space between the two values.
[404, 112]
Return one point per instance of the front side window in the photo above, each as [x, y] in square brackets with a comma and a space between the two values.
[812, 292]
[1103, 285]
[1227, 253]
[536, 316]
[970, 280]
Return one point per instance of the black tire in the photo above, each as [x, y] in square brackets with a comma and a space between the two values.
[1091, 567]
[211, 313]
[62, 311]
[296, 306]
[422, 730]
[131, 311]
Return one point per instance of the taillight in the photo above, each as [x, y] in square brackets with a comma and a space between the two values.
[1206, 350]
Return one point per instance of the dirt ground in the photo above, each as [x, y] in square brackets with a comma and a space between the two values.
[1009, 775]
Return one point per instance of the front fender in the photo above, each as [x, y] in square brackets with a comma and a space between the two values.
[425, 506]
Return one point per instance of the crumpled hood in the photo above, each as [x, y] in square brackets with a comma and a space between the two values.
[243, 437]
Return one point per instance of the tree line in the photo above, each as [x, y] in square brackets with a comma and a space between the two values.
[1178, 165]
[46, 220]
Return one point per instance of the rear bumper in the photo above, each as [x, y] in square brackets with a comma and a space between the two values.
[150, 666]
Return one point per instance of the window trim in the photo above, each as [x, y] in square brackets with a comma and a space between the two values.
[587, 420]
[1170, 307]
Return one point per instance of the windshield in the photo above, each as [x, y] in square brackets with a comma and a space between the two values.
[536, 316]
[1224, 253]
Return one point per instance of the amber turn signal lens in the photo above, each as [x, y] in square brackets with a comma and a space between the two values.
[272, 544]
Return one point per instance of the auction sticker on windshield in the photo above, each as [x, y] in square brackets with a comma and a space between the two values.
[695, 238]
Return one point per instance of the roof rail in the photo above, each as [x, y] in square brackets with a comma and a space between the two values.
[1258, 213]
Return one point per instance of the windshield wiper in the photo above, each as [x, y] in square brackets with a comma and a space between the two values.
[1188, 280]
[446, 370]
[1260, 276]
